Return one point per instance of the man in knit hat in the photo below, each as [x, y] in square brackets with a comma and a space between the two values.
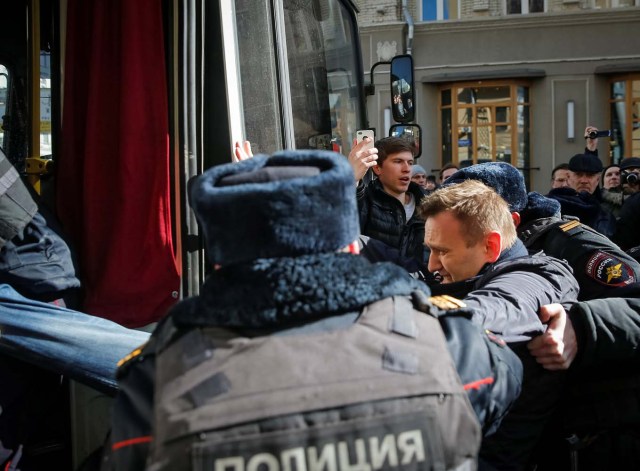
[419, 176]
[298, 350]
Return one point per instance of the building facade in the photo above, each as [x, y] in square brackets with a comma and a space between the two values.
[503, 80]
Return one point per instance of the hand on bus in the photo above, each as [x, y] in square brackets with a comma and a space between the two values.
[557, 347]
[243, 150]
[362, 157]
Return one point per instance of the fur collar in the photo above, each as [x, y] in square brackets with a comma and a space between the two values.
[281, 291]
[538, 207]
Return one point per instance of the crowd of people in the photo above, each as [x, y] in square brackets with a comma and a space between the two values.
[463, 323]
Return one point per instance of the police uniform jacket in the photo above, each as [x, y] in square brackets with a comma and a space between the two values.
[302, 295]
[607, 320]
[603, 390]
[382, 217]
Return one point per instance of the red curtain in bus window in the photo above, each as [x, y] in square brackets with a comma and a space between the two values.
[113, 191]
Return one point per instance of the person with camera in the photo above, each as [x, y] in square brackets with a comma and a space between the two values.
[627, 234]
[583, 197]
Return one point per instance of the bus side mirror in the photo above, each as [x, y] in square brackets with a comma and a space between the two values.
[402, 95]
[410, 132]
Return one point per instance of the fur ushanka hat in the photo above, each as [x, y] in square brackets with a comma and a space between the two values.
[504, 178]
[290, 204]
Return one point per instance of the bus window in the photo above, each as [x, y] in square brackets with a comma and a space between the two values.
[323, 74]
[4, 97]
[323, 70]
[260, 98]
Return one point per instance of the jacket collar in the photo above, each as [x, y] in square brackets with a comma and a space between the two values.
[281, 291]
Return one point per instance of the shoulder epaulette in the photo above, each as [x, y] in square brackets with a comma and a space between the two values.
[446, 302]
[568, 226]
[131, 356]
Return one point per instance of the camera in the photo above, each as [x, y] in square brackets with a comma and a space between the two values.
[629, 178]
[597, 134]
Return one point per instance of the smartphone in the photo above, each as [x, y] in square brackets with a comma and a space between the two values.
[362, 133]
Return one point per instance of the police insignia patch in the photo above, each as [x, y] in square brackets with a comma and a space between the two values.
[609, 270]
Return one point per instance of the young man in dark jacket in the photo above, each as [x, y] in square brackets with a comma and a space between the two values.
[387, 205]
[296, 284]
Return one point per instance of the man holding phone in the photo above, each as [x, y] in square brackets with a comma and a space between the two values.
[387, 204]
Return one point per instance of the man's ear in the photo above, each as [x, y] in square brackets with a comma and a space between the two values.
[493, 246]
[376, 169]
[516, 218]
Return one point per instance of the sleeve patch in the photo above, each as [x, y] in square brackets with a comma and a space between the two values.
[609, 270]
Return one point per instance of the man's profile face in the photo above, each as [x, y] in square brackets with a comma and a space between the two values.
[450, 256]
[584, 181]
[394, 172]
[560, 179]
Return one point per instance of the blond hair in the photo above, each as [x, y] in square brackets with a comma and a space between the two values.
[478, 207]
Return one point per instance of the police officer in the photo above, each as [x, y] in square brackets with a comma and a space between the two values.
[297, 350]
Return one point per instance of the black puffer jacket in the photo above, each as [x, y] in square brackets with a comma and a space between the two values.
[382, 217]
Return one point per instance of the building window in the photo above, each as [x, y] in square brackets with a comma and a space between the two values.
[485, 122]
[522, 7]
[433, 10]
[624, 106]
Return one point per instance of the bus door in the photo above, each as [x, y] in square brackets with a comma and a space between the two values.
[130, 100]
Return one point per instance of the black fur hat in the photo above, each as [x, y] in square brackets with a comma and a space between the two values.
[290, 204]
[504, 178]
